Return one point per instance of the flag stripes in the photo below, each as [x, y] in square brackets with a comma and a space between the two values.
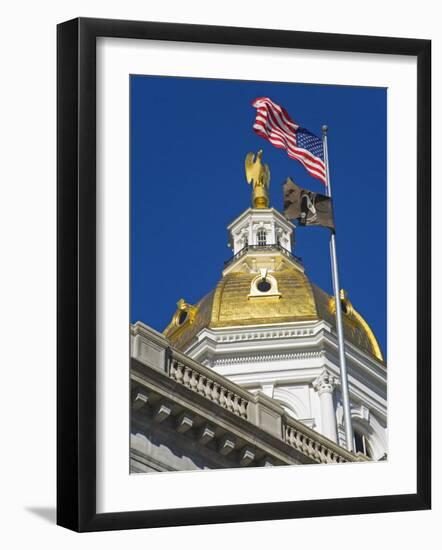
[273, 123]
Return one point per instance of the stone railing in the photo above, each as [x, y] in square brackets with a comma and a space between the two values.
[153, 349]
[262, 248]
[314, 445]
[207, 383]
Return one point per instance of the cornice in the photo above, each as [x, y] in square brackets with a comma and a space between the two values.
[267, 357]
[318, 334]
[261, 333]
[261, 213]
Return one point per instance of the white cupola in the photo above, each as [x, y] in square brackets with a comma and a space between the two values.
[260, 227]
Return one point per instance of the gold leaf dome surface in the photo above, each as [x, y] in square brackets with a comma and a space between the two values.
[230, 305]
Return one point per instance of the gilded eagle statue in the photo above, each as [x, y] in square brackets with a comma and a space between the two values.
[258, 174]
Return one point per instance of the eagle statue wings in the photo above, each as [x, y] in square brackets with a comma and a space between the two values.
[258, 174]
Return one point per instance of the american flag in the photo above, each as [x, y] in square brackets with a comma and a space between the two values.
[274, 124]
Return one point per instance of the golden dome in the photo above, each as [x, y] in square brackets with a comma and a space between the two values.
[231, 304]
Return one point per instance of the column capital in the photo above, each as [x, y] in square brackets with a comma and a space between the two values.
[325, 382]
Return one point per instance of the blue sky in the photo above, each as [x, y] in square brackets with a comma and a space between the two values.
[189, 138]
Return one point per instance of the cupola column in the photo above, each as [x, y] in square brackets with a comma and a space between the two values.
[325, 384]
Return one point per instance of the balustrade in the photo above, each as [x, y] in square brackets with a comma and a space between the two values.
[208, 388]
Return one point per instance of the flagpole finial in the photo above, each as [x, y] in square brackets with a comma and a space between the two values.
[324, 128]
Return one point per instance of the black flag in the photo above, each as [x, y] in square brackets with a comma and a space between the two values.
[306, 207]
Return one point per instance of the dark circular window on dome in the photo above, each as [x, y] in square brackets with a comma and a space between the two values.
[182, 316]
[263, 286]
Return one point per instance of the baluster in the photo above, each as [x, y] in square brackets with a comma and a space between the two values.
[303, 443]
[314, 453]
[317, 451]
[222, 396]
[243, 408]
[187, 375]
[208, 388]
[289, 436]
[311, 446]
[229, 401]
[193, 381]
[235, 404]
[200, 387]
[215, 392]
[286, 434]
[179, 372]
[322, 451]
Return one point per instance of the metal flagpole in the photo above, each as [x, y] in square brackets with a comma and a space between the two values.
[339, 325]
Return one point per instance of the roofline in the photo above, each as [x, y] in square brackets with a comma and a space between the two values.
[273, 210]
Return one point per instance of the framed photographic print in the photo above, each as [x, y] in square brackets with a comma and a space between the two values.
[243, 274]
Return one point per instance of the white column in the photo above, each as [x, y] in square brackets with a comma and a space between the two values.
[324, 385]
[253, 230]
[273, 232]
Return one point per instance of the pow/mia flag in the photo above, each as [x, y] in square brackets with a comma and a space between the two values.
[306, 207]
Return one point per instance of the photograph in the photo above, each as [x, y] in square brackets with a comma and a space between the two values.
[258, 274]
[218, 235]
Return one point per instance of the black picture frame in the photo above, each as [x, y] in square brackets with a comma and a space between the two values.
[76, 273]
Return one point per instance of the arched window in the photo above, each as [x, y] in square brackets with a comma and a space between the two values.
[262, 237]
